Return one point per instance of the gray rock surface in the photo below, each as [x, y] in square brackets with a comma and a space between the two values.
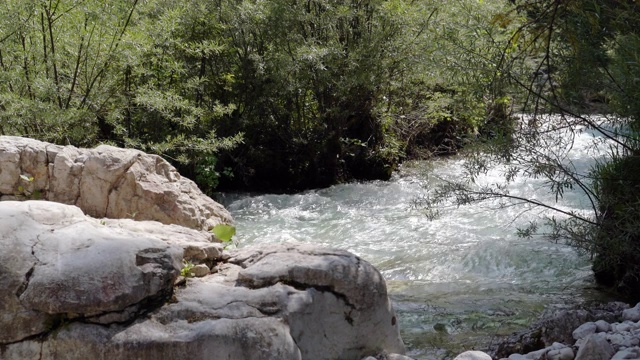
[602, 326]
[561, 354]
[584, 330]
[349, 297]
[556, 326]
[104, 182]
[595, 347]
[473, 355]
[104, 289]
[630, 353]
[604, 339]
[632, 314]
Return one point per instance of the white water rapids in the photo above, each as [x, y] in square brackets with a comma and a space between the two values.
[456, 281]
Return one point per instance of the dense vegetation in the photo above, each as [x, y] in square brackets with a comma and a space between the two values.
[286, 95]
[591, 58]
[584, 58]
[256, 95]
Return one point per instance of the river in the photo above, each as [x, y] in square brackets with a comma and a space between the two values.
[456, 282]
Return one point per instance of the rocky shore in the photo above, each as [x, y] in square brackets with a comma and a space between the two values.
[606, 332]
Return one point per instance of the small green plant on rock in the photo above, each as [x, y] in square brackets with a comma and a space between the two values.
[187, 266]
[25, 191]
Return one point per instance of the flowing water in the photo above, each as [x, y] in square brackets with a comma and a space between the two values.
[457, 281]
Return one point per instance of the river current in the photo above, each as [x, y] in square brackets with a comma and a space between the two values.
[456, 282]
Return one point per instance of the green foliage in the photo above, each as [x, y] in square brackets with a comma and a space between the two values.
[206, 174]
[568, 58]
[187, 266]
[616, 241]
[625, 75]
[283, 95]
[225, 233]
[87, 72]
[26, 190]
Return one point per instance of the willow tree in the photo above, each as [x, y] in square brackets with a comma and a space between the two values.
[582, 58]
[129, 73]
[58, 61]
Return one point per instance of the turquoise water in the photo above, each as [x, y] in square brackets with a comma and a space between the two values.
[457, 282]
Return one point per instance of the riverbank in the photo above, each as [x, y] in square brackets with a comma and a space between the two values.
[603, 332]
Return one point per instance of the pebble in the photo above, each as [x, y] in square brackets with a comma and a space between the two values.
[473, 355]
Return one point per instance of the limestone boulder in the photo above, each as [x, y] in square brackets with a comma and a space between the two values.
[106, 289]
[105, 182]
[344, 299]
[55, 264]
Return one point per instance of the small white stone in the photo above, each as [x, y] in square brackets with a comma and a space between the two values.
[538, 354]
[584, 330]
[602, 326]
[473, 355]
[200, 270]
[595, 347]
[557, 346]
[619, 339]
[399, 357]
[624, 327]
[632, 314]
[517, 357]
[561, 354]
[631, 353]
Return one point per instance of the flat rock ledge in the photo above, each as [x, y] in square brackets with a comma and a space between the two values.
[105, 182]
[77, 287]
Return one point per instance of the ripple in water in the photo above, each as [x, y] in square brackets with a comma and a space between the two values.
[456, 281]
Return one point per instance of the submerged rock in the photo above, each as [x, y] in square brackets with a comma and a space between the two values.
[76, 287]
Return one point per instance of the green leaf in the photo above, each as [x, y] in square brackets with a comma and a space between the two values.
[224, 232]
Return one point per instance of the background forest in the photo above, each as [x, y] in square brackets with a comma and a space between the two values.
[261, 95]
[285, 95]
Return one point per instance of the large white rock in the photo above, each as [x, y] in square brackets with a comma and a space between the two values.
[55, 263]
[105, 182]
[104, 289]
[349, 303]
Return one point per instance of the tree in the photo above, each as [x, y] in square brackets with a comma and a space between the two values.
[56, 62]
[88, 72]
[582, 57]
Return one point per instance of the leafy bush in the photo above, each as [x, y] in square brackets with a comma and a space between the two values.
[616, 243]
